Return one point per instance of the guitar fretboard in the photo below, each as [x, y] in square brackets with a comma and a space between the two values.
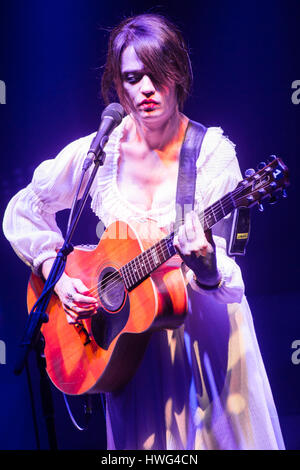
[140, 267]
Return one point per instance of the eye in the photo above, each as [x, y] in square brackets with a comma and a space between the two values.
[132, 77]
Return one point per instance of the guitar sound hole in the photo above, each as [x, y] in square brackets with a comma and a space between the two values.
[107, 324]
[111, 289]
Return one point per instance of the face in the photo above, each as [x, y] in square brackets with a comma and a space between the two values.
[148, 102]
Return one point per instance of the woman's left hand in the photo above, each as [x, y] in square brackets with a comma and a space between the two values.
[197, 249]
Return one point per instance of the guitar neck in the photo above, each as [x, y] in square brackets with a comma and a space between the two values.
[140, 267]
[266, 182]
[217, 211]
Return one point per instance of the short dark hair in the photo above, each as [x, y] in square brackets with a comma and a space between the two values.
[159, 45]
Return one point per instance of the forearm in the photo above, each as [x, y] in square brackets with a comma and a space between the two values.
[229, 289]
[206, 267]
[45, 271]
[46, 267]
[205, 270]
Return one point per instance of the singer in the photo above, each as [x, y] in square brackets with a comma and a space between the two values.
[202, 385]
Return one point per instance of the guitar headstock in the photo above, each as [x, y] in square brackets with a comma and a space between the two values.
[269, 181]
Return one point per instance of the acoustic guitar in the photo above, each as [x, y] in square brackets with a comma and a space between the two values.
[136, 274]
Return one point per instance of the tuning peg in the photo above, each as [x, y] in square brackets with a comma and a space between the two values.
[249, 172]
[261, 165]
[273, 200]
[272, 157]
[260, 207]
[284, 193]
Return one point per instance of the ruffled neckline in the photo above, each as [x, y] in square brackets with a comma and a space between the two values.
[108, 202]
[117, 154]
[114, 195]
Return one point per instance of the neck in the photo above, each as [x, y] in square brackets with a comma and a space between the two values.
[158, 134]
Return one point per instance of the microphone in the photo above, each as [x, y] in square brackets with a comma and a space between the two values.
[110, 119]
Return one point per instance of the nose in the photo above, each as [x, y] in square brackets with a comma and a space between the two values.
[147, 87]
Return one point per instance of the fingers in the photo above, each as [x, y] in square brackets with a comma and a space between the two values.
[75, 316]
[76, 301]
[72, 317]
[191, 237]
[191, 230]
[76, 313]
[73, 298]
[78, 298]
[80, 286]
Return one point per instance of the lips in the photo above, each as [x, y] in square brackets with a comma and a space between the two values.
[149, 103]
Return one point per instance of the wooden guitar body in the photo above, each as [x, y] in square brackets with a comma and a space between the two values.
[100, 354]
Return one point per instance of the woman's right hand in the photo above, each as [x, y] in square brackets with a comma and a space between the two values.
[74, 295]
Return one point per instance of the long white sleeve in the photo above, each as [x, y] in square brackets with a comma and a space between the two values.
[218, 173]
[29, 221]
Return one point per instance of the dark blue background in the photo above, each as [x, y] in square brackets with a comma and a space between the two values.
[245, 57]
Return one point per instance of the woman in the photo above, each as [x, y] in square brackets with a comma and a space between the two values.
[202, 386]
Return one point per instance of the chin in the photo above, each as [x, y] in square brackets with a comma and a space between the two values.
[153, 115]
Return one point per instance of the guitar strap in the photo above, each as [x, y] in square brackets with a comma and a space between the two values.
[185, 193]
[187, 171]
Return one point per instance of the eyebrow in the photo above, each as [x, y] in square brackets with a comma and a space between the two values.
[142, 70]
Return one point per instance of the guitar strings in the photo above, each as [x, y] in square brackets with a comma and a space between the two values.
[127, 268]
[216, 209]
[117, 276]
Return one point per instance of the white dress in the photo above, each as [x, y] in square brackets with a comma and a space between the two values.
[202, 386]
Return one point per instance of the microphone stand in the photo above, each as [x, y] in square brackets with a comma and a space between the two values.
[33, 338]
